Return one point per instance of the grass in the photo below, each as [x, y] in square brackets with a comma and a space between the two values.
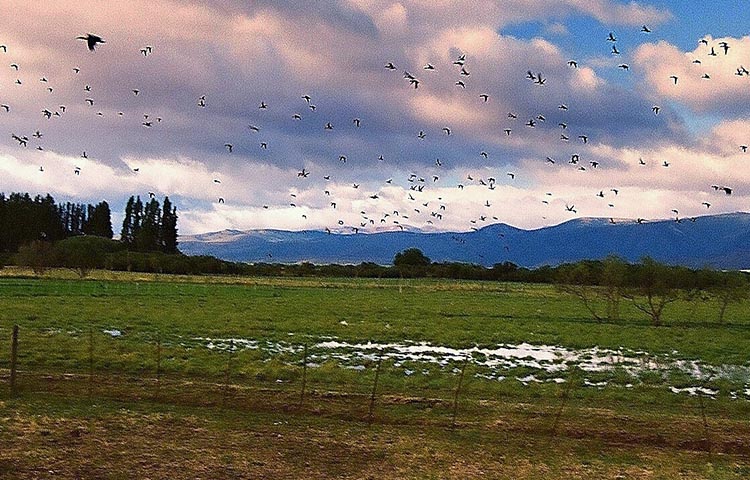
[256, 426]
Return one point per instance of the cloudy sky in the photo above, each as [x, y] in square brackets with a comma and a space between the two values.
[614, 134]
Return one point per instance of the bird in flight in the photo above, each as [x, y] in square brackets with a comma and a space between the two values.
[91, 40]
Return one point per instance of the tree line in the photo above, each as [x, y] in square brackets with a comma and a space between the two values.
[38, 232]
[24, 219]
[44, 234]
[149, 227]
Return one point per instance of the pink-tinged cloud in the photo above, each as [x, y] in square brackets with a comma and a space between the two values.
[237, 55]
[632, 14]
[707, 78]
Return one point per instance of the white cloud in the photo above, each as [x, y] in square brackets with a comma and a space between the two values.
[239, 54]
[724, 89]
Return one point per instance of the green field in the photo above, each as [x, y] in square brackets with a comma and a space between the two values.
[546, 392]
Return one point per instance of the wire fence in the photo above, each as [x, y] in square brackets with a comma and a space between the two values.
[377, 383]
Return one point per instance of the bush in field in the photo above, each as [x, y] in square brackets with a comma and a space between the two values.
[84, 253]
[39, 255]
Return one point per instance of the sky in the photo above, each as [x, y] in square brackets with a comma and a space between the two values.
[282, 114]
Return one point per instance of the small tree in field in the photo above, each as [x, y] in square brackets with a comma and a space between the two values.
[612, 282]
[729, 288]
[39, 255]
[651, 290]
[578, 280]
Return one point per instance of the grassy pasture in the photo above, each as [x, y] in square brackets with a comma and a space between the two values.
[634, 426]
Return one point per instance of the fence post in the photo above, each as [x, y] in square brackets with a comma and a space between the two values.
[158, 364]
[706, 433]
[91, 362]
[458, 392]
[566, 396]
[227, 376]
[370, 416]
[304, 377]
[13, 360]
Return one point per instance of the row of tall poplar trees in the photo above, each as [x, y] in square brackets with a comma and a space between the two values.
[149, 226]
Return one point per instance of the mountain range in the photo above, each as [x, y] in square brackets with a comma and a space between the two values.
[718, 241]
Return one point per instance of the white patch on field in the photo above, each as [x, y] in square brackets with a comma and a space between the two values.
[494, 362]
[695, 391]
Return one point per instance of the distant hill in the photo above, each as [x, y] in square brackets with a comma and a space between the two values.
[719, 241]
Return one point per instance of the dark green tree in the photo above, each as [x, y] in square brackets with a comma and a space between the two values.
[411, 257]
[137, 219]
[147, 237]
[126, 234]
[99, 221]
[84, 253]
[168, 228]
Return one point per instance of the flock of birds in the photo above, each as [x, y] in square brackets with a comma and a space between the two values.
[425, 209]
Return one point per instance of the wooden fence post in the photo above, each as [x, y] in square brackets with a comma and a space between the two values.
[158, 364]
[566, 396]
[91, 362]
[706, 433]
[228, 374]
[13, 360]
[370, 416]
[304, 377]
[458, 392]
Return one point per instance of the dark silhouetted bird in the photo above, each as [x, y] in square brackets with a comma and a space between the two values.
[91, 40]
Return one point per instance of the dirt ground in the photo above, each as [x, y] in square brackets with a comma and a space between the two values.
[64, 438]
